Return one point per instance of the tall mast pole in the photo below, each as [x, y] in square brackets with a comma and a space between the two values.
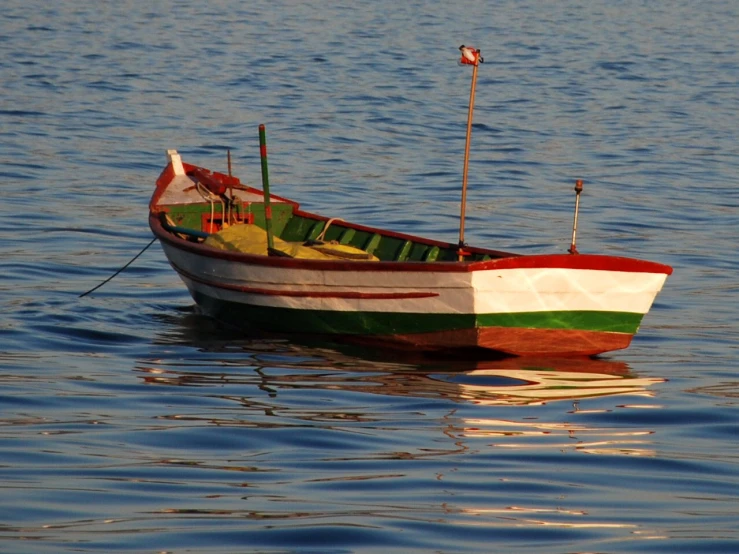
[470, 56]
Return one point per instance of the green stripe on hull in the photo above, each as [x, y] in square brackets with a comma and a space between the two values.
[391, 323]
[333, 322]
[613, 322]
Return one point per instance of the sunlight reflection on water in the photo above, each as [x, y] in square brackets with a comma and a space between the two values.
[131, 423]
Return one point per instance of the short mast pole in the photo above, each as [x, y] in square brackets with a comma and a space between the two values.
[230, 197]
[578, 190]
[470, 56]
[265, 188]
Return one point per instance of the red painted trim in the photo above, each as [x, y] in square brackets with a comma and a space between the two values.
[167, 174]
[165, 177]
[215, 182]
[306, 293]
[508, 260]
[562, 342]
[209, 225]
[571, 261]
[565, 261]
[516, 341]
[502, 260]
[296, 263]
[163, 181]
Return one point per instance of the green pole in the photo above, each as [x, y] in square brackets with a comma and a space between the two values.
[265, 188]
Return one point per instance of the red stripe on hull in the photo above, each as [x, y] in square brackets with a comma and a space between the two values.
[307, 293]
[596, 262]
[519, 342]
[562, 342]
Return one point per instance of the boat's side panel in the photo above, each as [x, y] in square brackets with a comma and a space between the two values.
[316, 289]
[519, 311]
[357, 323]
[413, 330]
[557, 289]
[485, 293]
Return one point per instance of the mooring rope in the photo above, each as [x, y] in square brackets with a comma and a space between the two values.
[121, 269]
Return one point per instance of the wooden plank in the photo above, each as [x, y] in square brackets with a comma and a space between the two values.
[373, 243]
[404, 251]
[431, 254]
[347, 236]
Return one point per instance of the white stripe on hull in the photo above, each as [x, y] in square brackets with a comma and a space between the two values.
[485, 291]
[554, 289]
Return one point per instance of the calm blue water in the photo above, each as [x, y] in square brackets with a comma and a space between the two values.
[130, 423]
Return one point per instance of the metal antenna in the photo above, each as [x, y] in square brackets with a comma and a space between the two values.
[578, 190]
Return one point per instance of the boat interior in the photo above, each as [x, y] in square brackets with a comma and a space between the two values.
[217, 210]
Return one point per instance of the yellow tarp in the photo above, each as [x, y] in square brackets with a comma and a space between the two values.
[251, 239]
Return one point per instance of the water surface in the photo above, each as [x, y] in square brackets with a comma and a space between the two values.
[131, 423]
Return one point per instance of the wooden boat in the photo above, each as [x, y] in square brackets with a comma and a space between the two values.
[258, 260]
[272, 265]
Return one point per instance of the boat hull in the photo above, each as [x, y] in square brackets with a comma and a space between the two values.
[506, 340]
[527, 305]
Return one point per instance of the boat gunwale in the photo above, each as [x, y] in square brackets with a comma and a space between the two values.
[510, 261]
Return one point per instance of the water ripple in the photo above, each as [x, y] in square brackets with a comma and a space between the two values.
[131, 423]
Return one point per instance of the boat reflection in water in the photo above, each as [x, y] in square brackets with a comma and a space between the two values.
[323, 421]
[277, 363]
[538, 381]
[262, 376]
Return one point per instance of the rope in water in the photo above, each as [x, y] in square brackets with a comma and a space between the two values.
[120, 270]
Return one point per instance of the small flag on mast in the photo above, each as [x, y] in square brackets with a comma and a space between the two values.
[470, 55]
